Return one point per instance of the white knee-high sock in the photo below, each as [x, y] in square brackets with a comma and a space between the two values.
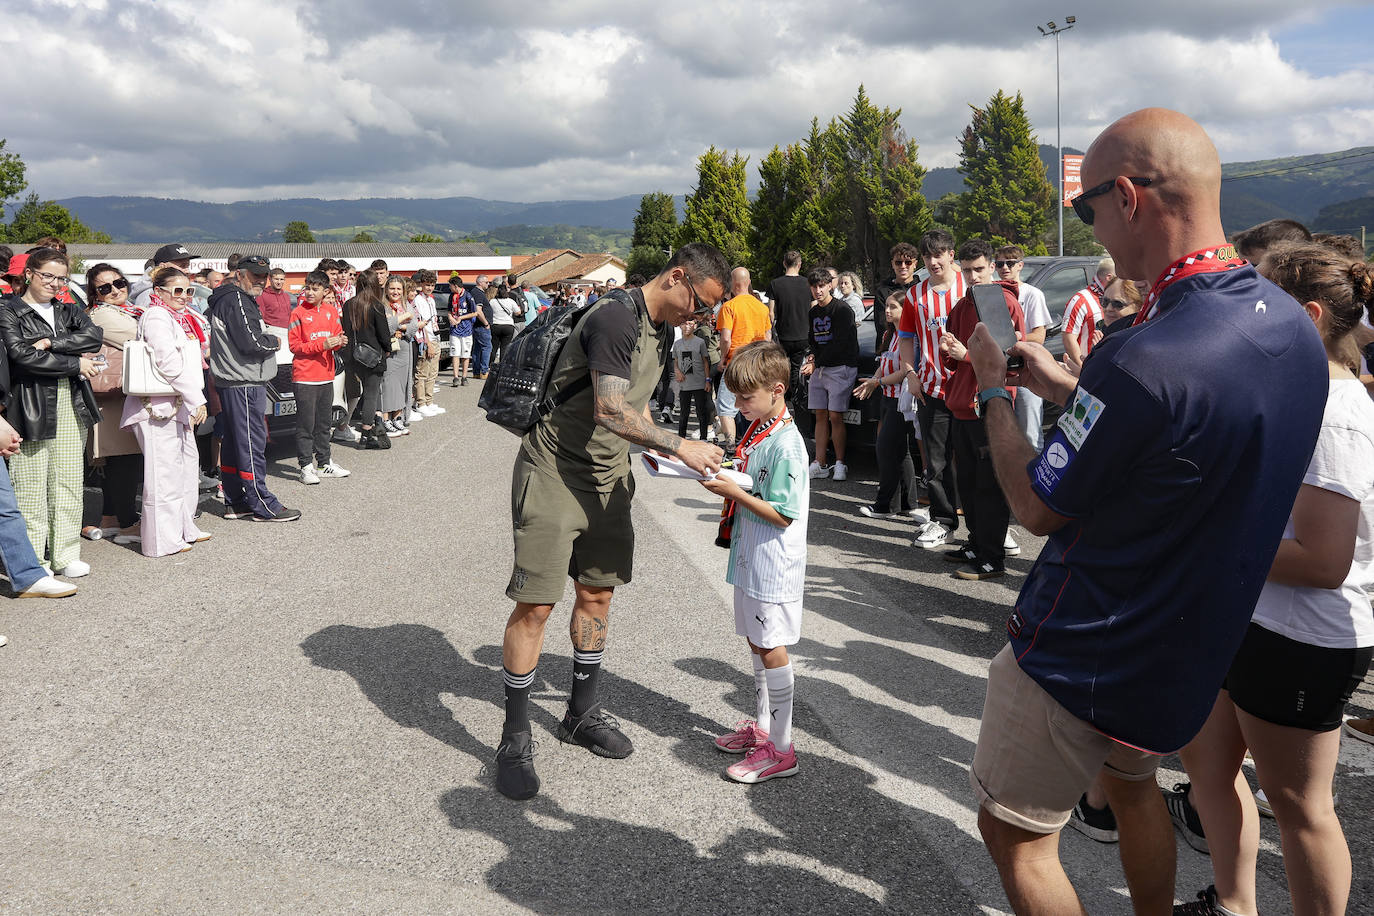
[780, 687]
[760, 692]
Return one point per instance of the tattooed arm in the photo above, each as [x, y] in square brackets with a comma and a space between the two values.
[613, 412]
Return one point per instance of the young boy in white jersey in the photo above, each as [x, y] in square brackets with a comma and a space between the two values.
[765, 529]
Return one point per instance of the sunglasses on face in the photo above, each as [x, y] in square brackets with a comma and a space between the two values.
[1118, 304]
[1080, 203]
[178, 292]
[905, 262]
[105, 289]
[1005, 265]
[702, 308]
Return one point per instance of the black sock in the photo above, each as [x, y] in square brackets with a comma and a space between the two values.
[517, 702]
[586, 670]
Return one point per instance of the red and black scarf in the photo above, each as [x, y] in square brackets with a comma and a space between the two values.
[753, 437]
[1206, 261]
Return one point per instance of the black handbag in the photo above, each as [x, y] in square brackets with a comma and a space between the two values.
[367, 356]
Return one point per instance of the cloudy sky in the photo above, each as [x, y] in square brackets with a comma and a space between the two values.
[259, 99]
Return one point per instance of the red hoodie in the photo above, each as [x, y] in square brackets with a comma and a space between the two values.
[307, 336]
[962, 388]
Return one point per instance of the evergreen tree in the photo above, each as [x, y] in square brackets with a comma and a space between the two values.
[364, 236]
[12, 180]
[655, 232]
[655, 222]
[881, 194]
[426, 237]
[38, 218]
[1008, 196]
[297, 231]
[717, 210]
[770, 217]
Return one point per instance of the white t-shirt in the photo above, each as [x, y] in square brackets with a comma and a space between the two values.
[504, 311]
[768, 563]
[45, 311]
[1033, 306]
[1335, 618]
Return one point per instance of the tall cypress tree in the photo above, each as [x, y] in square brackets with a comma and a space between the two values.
[1008, 196]
[655, 231]
[717, 210]
[769, 217]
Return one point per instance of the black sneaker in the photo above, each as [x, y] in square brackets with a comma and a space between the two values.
[964, 554]
[515, 776]
[1095, 823]
[233, 512]
[1185, 818]
[1206, 904]
[979, 570]
[281, 515]
[597, 732]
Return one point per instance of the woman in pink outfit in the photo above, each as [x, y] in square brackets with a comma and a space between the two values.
[165, 425]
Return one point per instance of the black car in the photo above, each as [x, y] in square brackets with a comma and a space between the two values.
[1057, 277]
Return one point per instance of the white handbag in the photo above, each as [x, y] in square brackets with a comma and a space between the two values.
[141, 376]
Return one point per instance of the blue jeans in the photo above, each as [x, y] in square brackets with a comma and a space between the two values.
[481, 350]
[21, 563]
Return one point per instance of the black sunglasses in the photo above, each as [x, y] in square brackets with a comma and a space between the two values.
[1080, 203]
[105, 289]
[1117, 304]
[702, 308]
[1005, 265]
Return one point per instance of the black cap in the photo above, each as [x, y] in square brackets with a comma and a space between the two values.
[172, 253]
[255, 263]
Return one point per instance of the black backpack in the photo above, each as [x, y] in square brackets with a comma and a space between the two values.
[516, 394]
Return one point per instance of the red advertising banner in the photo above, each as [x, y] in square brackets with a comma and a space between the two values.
[1073, 180]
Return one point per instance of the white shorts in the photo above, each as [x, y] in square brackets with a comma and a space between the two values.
[460, 347]
[766, 624]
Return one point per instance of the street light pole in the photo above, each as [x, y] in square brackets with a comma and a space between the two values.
[1045, 31]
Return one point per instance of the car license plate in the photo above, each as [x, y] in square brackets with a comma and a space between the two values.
[284, 408]
[853, 417]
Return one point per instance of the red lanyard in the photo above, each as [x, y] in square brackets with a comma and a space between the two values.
[752, 439]
[1207, 261]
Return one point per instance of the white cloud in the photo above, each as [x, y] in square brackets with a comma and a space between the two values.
[593, 98]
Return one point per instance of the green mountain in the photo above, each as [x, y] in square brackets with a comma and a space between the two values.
[1329, 191]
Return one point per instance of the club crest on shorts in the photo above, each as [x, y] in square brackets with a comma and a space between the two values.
[518, 579]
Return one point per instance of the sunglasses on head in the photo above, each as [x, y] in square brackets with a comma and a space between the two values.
[1080, 203]
[105, 289]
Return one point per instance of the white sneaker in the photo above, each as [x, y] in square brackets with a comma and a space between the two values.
[308, 475]
[333, 470]
[817, 470]
[841, 471]
[4, 640]
[921, 515]
[416, 416]
[75, 569]
[1010, 547]
[931, 536]
[431, 410]
[346, 434]
[48, 587]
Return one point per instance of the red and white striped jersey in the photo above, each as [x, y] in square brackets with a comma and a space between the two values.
[924, 315]
[1081, 316]
[887, 364]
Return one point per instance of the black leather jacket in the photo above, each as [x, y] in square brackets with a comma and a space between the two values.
[35, 374]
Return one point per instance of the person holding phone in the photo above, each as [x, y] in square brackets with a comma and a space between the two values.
[985, 508]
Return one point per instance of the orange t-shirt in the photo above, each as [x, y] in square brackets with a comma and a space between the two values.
[747, 320]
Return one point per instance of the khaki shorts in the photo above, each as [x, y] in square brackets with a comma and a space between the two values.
[561, 532]
[1035, 759]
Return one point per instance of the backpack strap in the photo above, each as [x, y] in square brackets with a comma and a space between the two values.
[550, 404]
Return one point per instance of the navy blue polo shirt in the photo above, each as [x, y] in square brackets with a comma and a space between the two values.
[1177, 462]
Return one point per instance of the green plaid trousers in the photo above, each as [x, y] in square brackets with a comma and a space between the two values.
[47, 478]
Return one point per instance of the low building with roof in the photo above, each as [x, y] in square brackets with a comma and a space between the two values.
[566, 267]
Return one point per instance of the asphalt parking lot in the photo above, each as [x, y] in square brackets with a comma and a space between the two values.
[300, 718]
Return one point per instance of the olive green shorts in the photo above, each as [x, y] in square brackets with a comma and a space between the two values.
[561, 532]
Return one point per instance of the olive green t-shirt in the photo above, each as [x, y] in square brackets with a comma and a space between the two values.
[616, 338]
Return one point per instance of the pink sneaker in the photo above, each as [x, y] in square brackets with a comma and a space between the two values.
[763, 763]
[743, 739]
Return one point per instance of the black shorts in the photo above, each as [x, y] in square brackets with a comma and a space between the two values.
[1291, 683]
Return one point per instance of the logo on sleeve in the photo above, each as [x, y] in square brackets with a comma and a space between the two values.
[1078, 421]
